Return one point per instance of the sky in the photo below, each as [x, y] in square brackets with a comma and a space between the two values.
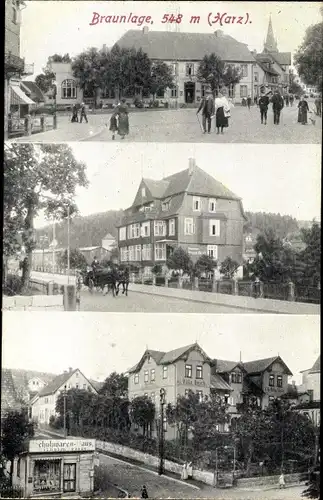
[277, 179]
[64, 26]
[100, 343]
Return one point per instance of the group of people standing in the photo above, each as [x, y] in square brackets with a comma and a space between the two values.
[218, 108]
[119, 121]
[75, 113]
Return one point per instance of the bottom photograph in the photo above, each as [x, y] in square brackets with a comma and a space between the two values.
[97, 405]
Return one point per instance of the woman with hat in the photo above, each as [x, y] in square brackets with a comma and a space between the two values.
[222, 113]
[122, 112]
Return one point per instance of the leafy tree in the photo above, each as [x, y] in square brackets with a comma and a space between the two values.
[229, 267]
[161, 77]
[180, 260]
[157, 269]
[294, 87]
[309, 260]
[15, 431]
[77, 259]
[115, 385]
[215, 72]
[37, 177]
[309, 57]
[313, 483]
[204, 264]
[89, 68]
[282, 225]
[142, 413]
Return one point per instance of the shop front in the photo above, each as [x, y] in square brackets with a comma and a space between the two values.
[56, 467]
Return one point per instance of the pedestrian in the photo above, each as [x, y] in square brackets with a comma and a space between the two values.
[302, 111]
[263, 106]
[318, 106]
[190, 470]
[249, 101]
[282, 481]
[83, 113]
[144, 492]
[291, 99]
[184, 474]
[256, 288]
[278, 104]
[222, 113]
[122, 111]
[208, 110]
[74, 114]
[286, 100]
[113, 125]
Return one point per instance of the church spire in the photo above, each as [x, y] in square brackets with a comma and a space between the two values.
[270, 43]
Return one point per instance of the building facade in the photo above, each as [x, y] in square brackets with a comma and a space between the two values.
[189, 209]
[189, 368]
[43, 405]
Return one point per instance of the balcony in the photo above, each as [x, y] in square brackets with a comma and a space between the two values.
[15, 64]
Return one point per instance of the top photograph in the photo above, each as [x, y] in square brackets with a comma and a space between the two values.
[222, 72]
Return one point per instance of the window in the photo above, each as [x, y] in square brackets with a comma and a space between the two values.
[188, 371]
[122, 233]
[174, 92]
[200, 395]
[279, 381]
[244, 68]
[69, 483]
[123, 254]
[145, 229]
[69, 89]
[214, 227]
[232, 91]
[146, 376]
[160, 228]
[199, 372]
[243, 91]
[212, 205]
[134, 231]
[146, 252]
[47, 476]
[160, 251]
[171, 227]
[189, 226]
[189, 69]
[212, 251]
[143, 192]
[136, 378]
[174, 68]
[152, 375]
[131, 253]
[271, 380]
[153, 397]
[46, 401]
[256, 76]
[196, 203]
[165, 371]
[149, 359]
[236, 378]
[76, 386]
[18, 467]
[165, 206]
[138, 253]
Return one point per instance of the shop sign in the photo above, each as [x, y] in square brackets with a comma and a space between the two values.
[188, 381]
[194, 251]
[61, 445]
[273, 389]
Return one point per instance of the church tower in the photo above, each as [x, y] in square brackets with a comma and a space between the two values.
[270, 44]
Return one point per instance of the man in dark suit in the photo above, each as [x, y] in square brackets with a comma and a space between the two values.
[208, 110]
[263, 106]
[278, 104]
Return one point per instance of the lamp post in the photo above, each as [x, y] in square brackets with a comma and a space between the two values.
[64, 411]
[68, 245]
[161, 434]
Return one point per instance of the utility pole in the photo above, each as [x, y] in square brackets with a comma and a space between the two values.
[68, 245]
[161, 434]
[64, 400]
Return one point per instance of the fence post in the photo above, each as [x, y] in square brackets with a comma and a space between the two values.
[154, 280]
[196, 283]
[291, 291]
[215, 286]
[50, 288]
[180, 281]
[166, 281]
[251, 288]
[43, 123]
[69, 297]
[235, 288]
[27, 130]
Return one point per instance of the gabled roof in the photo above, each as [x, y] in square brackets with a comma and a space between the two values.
[156, 188]
[225, 366]
[108, 237]
[218, 383]
[316, 368]
[283, 58]
[261, 365]
[35, 90]
[172, 46]
[58, 381]
[270, 71]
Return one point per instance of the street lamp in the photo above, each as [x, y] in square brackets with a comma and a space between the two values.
[161, 434]
[68, 245]
[64, 411]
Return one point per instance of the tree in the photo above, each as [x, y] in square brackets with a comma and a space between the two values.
[215, 72]
[157, 269]
[313, 483]
[204, 264]
[142, 413]
[161, 77]
[37, 178]
[77, 259]
[89, 67]
[229, 267]
[45, 79]
[309, 57]
[180, 260]
[294, 87]
[309, 260]
[115, 385]
[15, 431]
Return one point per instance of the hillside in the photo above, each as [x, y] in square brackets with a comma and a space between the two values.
[86, 231]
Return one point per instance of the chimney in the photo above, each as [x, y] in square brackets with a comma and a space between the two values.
[191, 165]
[70, 369]
[145, 30]
[218, 33]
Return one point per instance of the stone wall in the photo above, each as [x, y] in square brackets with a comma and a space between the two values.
[267, 480]
[33, 303]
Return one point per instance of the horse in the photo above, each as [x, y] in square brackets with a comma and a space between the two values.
[106, 277]
[123, 279]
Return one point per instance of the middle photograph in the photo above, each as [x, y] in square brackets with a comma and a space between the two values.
[169, 228]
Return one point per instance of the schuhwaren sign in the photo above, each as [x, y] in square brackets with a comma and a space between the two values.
[61, 445]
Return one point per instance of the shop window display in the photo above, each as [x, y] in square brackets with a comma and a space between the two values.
[47, 475]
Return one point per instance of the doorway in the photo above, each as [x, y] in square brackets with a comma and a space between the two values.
[189, 91]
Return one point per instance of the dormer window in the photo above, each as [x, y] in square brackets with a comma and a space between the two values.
[143, 192]
[196, 203]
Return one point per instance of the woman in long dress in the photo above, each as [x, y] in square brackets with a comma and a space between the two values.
[121, 112]
[302, 111]
[222, 112]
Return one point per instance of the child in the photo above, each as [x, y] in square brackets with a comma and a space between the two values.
[113, 126]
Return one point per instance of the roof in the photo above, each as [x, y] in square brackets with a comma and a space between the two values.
[157, 188]
[224, 366]
[171, 46]
[218, 383]
[9, 396]
[261, 365]
[283, 58]
[58, 381]
[35, 90]
[270, 71]
[316, 368]
[108, 237]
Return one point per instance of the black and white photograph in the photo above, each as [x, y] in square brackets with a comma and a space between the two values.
[233, 72]
[198, 409]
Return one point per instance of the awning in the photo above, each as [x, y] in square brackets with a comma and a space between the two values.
[18, 96]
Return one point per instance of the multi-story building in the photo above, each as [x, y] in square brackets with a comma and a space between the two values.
[16, 96]
[190, 368]
[43, 405]
[311, 387]
[189, 209]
